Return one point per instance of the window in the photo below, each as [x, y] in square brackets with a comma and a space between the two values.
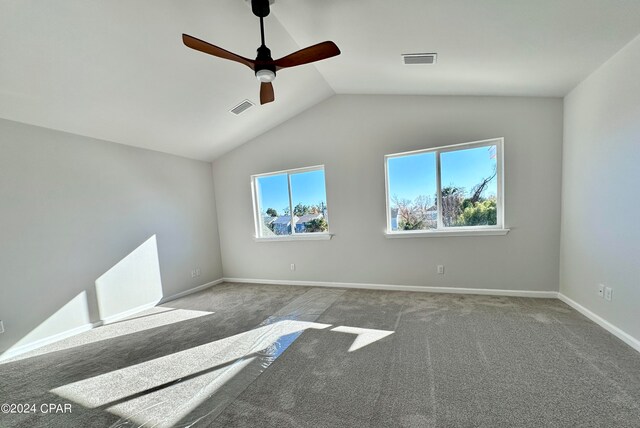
[291, 204]
[452, 189]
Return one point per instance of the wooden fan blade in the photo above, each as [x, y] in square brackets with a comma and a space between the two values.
[313, 53]
[266, 93]
[208, 48]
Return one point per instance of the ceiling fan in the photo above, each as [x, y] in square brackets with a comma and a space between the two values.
[264, 66]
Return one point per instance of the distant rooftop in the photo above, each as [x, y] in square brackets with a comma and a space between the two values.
[308, 217]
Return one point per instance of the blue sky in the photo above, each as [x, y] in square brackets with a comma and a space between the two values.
[415, 175]
[307, 188]
[409, 177]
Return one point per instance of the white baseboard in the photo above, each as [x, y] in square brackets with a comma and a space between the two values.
[133, 311]
[191, 291]
[28, 347]
[14, 352]
[129, 312]
[619, 333]
[625, 337]
[392, 287]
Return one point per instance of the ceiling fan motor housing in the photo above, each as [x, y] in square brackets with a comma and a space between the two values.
[264, 66]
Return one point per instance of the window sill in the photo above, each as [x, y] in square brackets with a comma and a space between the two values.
[445, 233]
[301, 237]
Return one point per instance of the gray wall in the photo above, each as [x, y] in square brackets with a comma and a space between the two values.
[601, 179]
[72, 208]
[350, 135]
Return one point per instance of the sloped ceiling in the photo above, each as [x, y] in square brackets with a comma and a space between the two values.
[117, 69]
[485, 47]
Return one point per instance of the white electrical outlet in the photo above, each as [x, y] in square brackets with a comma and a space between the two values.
[1, 327]
[293, 266]
[608, 293]
[197, 271]
[601, 290]
[441, 269]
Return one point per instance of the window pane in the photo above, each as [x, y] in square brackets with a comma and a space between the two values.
[273, 205]
[412, 192]
[469, 187]
[309, 200]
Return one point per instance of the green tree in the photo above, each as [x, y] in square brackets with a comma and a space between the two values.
[411, 223]
[479, 214]
[271, 212]
[301, 210]
[316, 225]
[452, 190]
[476, 209]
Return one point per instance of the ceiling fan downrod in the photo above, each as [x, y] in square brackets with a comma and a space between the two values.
[264, 68]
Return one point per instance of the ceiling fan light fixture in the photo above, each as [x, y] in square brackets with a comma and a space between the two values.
[265, 76]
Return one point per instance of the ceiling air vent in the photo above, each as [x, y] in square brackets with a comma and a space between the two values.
[419, 58]
[243, 106]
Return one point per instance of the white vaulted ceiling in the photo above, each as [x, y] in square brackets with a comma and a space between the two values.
[485, 47]
[117, 69]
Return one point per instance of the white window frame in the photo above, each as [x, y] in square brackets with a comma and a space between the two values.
[316, 236]
[441, 230]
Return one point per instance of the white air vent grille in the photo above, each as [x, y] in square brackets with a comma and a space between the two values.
[243, 106]
[419, 58]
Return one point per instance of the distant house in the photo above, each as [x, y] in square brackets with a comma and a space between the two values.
[282, 225]
[432, 214]
[267, 225]
[430, 218]
[301, 224]
[394, 219]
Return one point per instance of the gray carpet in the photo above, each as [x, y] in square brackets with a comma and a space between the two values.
[240, 355]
